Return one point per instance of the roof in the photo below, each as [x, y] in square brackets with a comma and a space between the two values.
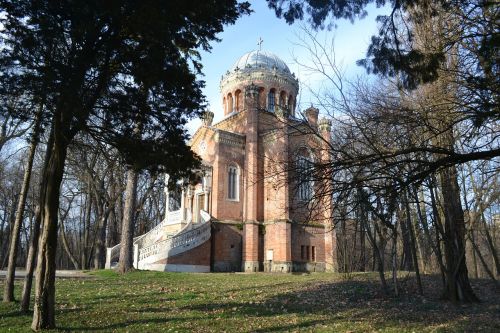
[260, 59]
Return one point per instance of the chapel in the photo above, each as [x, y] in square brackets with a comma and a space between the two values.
[252, 187]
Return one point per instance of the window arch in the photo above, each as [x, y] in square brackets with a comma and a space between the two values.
[283, 99]
[305, 184]
[291, 106]
[230, 104]
[262, 98]
[271, 100]
[233, 182]
[238, 105]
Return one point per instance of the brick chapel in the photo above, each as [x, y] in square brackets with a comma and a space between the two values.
[260, 219]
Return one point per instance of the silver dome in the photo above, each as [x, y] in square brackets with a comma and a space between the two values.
[260, 59]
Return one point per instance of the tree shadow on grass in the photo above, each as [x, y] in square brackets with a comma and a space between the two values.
[363, 301]
[124, 324]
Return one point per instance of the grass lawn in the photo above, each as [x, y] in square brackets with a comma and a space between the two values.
[182, 302]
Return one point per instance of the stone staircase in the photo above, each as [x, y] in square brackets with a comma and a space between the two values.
[153, 249]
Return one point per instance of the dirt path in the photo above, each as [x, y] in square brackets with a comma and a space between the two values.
[64, 274]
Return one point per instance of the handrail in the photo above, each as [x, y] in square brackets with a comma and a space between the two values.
[191, 233]
[147, 245]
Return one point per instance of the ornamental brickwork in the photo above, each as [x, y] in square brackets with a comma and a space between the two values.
[261, 221]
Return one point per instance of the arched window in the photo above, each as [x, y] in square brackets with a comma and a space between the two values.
[232, 183]
[262, 98]
[238, 105]
[230, 104]
[283, 100]
[305, 178]
[271, 99]
[290, 105]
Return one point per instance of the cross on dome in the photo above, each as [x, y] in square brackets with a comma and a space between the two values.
[259, 42]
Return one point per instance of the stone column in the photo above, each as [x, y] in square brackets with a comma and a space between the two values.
[250, 260]
[167, 201]
[183, 205]
[108, 258]
[331, 264]
[136, 256]
[206, 190]
[190, 194]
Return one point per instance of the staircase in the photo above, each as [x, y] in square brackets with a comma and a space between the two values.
[163, 251]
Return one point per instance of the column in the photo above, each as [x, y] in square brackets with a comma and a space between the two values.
[280, 236]
[167, 201]
[207, 182]
[324, 127]
[250, 258]
[190, 193]
[183, 205]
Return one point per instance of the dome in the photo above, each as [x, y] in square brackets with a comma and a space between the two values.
[260, 59]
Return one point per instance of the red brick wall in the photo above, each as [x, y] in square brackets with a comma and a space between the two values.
[278, 238]
[226, 247]
[200, 255]
[308, 236]
[226, 209]
[235, 123]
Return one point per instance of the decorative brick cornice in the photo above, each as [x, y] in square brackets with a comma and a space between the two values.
[196, 136]
[275, 221]
[231, 139]
[231, 117]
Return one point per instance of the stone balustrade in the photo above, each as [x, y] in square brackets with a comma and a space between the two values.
[147, 245]
[174, 217]
[192, 236]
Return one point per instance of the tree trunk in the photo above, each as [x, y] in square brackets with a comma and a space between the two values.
[378, 259]
[458, 288]
[44, 309]
[86, 229]
[8, 295]
[126, 248]
[100, 247]
[406, 260]
[474, 259]
[12, 219]
[483, 262]
[394, 256]
[100, 253]
[66, 246]
[30, 262]
[422, 217]
[362, 255]
[413, 245]
[35, 232]
[491, 245]
[438, 230]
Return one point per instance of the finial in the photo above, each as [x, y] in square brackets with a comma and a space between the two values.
[259, 42]
[207, 117]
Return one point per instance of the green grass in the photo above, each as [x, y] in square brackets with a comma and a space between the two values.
[182, 302]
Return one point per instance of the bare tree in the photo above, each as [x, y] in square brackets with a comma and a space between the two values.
[8, 295]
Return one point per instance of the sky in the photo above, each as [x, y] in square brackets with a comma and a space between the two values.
[350, 41]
